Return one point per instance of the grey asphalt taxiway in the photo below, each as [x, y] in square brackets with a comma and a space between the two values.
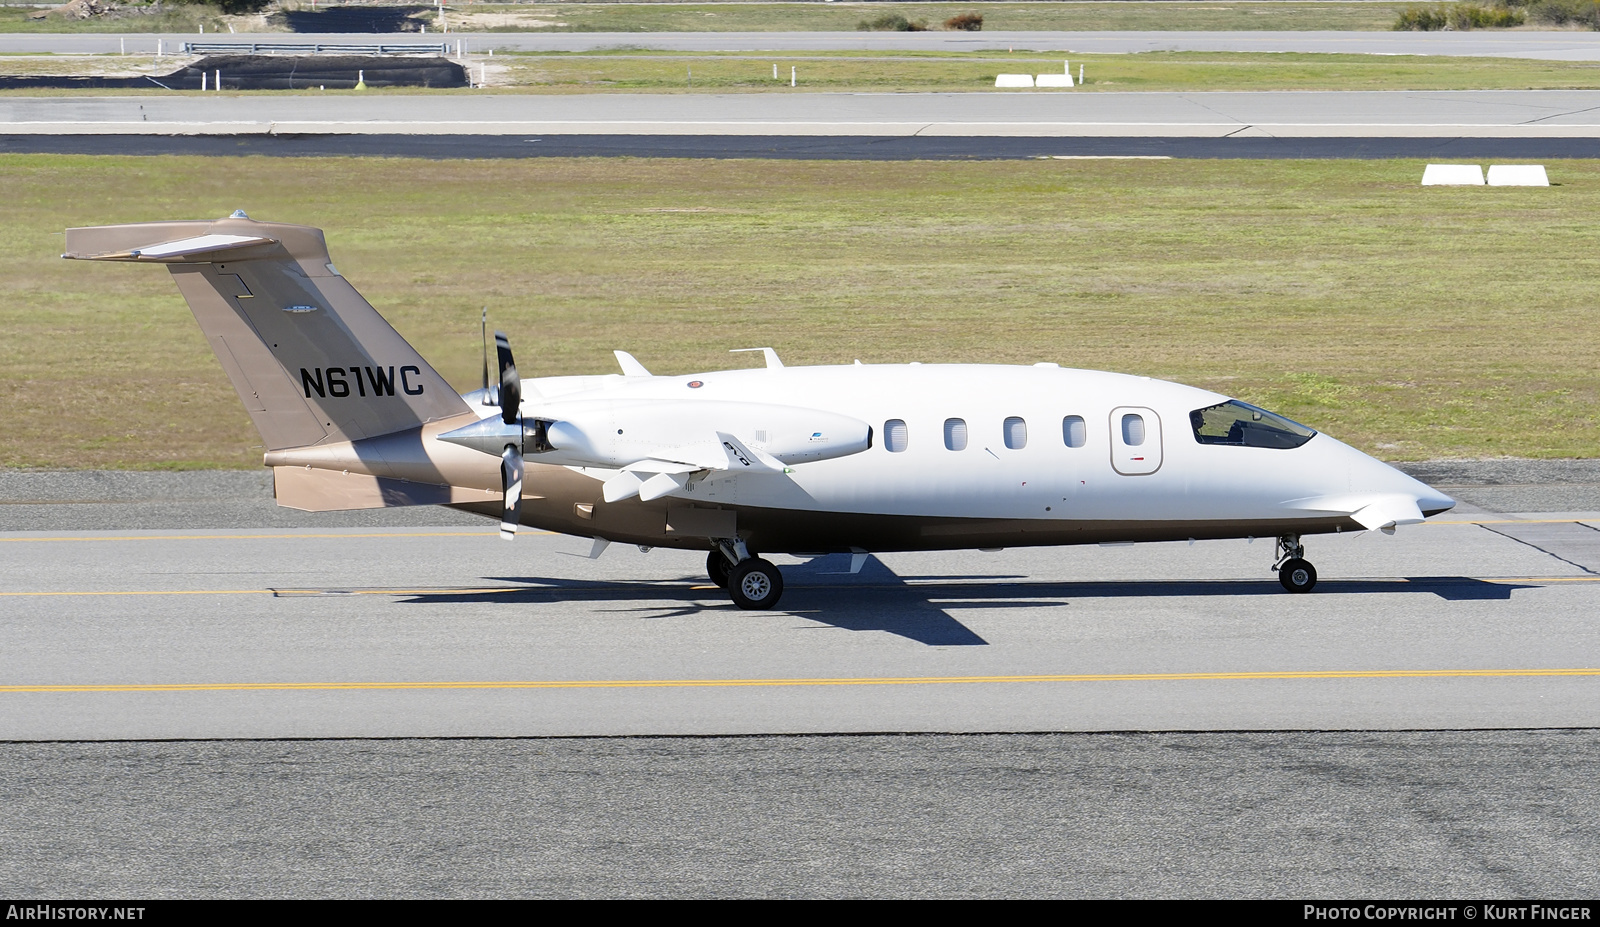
[1505, 815]
[1531, 114]
[793, 147]
[1511, 125]
[1474, 620]
[1465, 125]
[206, 696]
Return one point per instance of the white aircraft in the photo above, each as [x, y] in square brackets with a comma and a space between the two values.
[805, 460]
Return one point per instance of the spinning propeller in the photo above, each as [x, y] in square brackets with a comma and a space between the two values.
[511, 454]
[510, 383]
[508, 437]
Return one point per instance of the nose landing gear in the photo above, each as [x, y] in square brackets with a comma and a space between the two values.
[754, 584]
[1294, 571]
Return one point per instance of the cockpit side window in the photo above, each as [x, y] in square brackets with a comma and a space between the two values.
[1243, 425]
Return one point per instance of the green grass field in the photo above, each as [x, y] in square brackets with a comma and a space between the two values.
[1181, 71]
[634, 72]
[1091, 15]
[1414, 322]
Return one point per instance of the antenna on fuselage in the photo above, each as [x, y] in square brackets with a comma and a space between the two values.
[489, 399]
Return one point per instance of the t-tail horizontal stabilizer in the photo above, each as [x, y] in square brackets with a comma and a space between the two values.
[212, 247]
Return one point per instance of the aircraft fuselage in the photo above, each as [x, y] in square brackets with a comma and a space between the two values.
[961, 456]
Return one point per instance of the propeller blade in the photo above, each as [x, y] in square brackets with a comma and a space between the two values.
[510, 383]
[511, 482]
[483, 325]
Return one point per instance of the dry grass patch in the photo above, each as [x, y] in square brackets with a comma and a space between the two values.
[1414, 322]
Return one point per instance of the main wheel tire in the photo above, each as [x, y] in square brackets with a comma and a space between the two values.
[717, 567]
[1298, 575]
[755, 584]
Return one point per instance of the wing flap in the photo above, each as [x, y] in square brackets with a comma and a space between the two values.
[648, 479]
[662, 475]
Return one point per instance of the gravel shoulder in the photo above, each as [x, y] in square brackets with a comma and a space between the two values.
[1475, 814]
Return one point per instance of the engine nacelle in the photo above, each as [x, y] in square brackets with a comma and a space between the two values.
[607, 433]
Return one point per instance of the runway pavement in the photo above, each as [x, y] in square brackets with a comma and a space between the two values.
[1532, 114]
[1475, 620]
[198, 610]
[792, 147]
[1553, 45]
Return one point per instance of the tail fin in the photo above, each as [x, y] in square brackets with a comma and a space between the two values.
[312, 360]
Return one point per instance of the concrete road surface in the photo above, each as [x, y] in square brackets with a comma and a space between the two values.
[194, 608]
[1474, 620]
[1533, 114]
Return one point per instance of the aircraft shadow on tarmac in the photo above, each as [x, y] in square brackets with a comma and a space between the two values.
[919, 607]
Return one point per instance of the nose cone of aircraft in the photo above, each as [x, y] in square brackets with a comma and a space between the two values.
[1431, 500]
[1435, 502]
[1382, 477]
[1372, 492]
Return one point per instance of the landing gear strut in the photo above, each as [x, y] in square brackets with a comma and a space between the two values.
[753, 584]
[1295, 572]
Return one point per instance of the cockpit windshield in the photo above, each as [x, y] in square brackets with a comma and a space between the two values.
[1243, 425]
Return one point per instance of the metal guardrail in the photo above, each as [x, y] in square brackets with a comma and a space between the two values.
[269, 48]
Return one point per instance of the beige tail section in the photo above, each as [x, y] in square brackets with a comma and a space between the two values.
[312, 360]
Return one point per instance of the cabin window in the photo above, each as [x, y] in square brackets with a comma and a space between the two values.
[1016, 433]
[1243, 425]
[1074, 432]
[955, 434]
[894, 435]
[1132, 429]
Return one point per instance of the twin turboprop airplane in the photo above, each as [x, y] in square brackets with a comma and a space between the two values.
[803, 460]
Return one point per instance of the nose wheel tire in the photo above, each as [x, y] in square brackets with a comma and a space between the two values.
[717, 567]
[1297, 575]
[755, 584]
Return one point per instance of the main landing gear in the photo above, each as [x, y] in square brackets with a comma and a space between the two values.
[753, 584]
[1295, 572]
[717, 567]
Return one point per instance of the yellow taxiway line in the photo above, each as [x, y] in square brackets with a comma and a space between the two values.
[799, 682]
[1517, 521]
